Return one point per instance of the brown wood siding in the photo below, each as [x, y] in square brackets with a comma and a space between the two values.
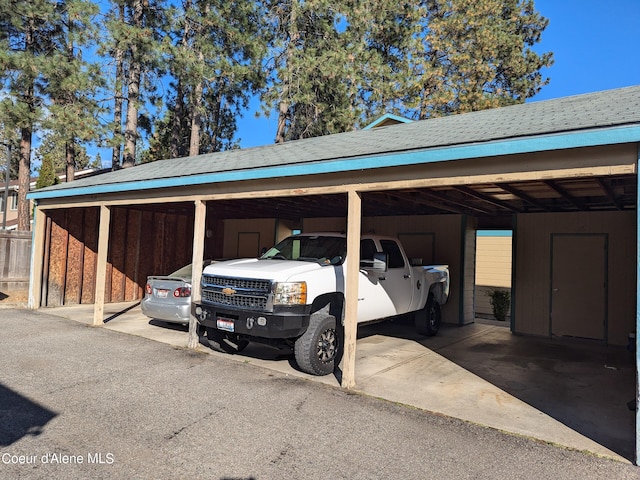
[169, 247]
[91, 224]
[149, 226]
[75, 257]
[132, 290]
[140, 244]
[57, 259]
[116, 257]
[157, 251]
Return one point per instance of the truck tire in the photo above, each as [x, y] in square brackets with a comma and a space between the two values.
[428, 319]
[225, 342]
[317, 349]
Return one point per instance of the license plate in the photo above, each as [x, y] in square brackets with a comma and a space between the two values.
[160, 293]
[225, 324]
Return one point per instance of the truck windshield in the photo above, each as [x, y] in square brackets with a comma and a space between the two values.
[322, 249]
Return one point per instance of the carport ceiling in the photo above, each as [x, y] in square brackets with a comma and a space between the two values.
[488, 200]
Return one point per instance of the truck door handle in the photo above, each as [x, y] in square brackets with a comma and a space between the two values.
[406, 275]
[382, 278]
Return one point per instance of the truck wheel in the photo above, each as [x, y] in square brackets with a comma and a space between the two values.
[428, 319]
[225, 342]
[316, 350]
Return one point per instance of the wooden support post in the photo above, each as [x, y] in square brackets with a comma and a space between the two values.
[37, 258]
[354, 220]
[199, 225]
[101, 267]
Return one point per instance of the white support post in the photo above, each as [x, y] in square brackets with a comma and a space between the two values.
[37, 259]
[354, 220]
[199, 224]
[101, 267]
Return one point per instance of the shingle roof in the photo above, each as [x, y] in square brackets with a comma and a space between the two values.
[605, 109]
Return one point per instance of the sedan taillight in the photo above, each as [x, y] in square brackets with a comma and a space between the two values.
[182, 292]
[148, 289]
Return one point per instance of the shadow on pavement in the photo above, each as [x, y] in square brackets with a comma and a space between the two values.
[20, 417]
[585, 385]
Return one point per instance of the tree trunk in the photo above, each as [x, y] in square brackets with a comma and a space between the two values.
[196, 121]
[176, 145]
[24, 177]
[70, 144]
[283, 114]
[24, 168]
[70, 153]
[282, 122]
[133, 94]
[131, 127]
[117, 111]
[196, 115]
[118, 55]
[216, 123]
[176, 148]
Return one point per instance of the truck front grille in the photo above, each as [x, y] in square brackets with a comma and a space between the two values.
[237, 283]
[236, 292]
[253, 303]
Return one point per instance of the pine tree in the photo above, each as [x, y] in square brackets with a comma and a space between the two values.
[72, 83]
[215, 59]
[46, 174]
[26, 30]
[135, 30]
[474, 54]
[112, 49]
[53, 150]
[312, 87]
[340, 65]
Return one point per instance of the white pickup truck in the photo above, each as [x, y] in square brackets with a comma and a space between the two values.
[293, 296]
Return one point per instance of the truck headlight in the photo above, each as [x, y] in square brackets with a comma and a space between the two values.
[290, 293]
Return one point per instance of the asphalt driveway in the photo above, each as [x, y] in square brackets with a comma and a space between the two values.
[84, 402]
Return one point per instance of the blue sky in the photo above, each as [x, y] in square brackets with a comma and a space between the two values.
[595, 46]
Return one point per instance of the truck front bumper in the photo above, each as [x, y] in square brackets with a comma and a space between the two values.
[287, 322]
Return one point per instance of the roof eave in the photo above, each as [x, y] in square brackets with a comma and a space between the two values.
[539, 143]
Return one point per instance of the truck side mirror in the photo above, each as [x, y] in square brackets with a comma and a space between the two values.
[377, 264]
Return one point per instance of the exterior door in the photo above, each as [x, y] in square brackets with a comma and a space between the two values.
[579, 285]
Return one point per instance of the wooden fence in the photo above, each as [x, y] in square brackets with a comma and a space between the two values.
[15, 256]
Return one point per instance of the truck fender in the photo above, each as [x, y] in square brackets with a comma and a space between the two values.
[332, 303]
[437, 290]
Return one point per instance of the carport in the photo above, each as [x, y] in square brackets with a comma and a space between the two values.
[562, 174]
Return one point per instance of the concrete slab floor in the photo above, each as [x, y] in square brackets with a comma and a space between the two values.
[566, 392]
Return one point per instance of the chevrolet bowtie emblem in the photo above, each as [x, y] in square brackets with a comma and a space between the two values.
[228, 291]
